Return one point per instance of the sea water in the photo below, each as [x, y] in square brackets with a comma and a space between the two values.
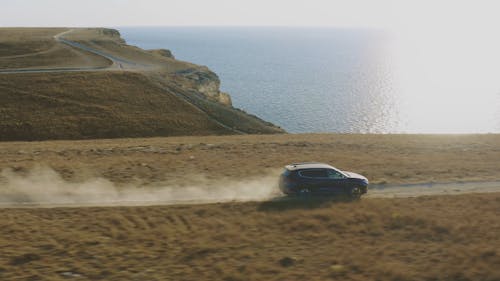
[341, 80]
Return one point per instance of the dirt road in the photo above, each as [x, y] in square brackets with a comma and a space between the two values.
[429, 189]
[46, 189]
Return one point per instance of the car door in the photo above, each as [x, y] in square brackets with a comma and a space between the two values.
[312, 178]
[334, 182]
[321, 180]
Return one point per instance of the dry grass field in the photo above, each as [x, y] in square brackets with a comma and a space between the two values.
[93, 104]
[21, 41]
[36, 48]
[425, 238]
[108, 104]
[382, 158]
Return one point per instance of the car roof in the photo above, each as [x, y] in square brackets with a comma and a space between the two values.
[308, 165]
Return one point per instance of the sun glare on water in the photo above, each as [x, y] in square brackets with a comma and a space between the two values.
[446, 73]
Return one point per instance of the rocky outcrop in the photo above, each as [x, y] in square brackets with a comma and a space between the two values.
[197, 78]
[113, 34]
[225, 98]
[207, 83]
[162, 53]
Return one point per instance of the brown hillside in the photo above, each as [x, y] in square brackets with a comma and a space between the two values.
[36, 48]
[155, 96]
[101, 105]
[22, 41]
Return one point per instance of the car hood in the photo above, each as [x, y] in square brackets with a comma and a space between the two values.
[354, 175]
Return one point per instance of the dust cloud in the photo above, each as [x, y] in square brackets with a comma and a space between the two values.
[43, 186]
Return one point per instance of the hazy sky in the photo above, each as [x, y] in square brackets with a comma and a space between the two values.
[352, 13]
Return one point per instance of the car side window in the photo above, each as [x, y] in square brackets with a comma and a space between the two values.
[332, 174]
[314, 173]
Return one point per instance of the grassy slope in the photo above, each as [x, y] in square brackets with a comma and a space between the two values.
[94, 105]
[427, 238]
[21, 41]
[36, 48]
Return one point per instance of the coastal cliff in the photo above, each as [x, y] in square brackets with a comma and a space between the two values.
[142, 93]
[199, 78]
[162, 53]
[207, 83]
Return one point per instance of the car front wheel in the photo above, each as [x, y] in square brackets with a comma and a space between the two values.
[355, 193]
[304, 192]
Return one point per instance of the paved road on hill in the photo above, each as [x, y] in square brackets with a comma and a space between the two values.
[116, 62]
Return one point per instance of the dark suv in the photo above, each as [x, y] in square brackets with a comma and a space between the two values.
[323, 179]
